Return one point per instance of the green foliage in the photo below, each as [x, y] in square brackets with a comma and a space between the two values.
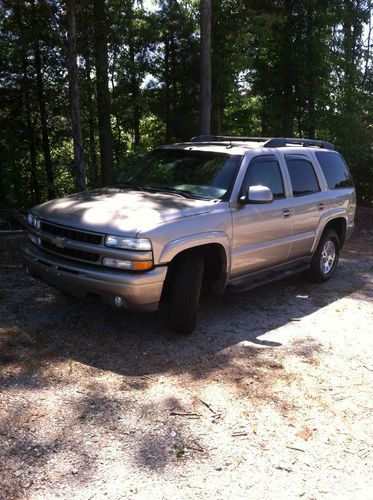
[302, 67]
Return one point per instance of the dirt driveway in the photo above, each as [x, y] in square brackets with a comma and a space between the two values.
[270, 398]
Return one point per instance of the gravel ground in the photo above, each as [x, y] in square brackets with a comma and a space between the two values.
[270, 398]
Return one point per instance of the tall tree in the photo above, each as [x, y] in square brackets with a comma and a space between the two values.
[42, 104]
[79, 161]
[103, 94]
[25, 86]
[205, 76]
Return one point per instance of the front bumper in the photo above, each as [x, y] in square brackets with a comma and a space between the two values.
[139, 291]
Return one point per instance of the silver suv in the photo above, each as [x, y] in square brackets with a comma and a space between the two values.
[212, 213]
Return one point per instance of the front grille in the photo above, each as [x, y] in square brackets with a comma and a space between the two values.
[71, 234]
[70, 252]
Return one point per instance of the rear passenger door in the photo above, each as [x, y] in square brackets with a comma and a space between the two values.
[308, 203]
[262, 232]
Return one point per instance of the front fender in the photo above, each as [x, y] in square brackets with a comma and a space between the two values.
[176, 246]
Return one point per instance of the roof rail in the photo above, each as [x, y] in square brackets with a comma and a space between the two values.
[280, 142]
[275, 142]
[226, 138]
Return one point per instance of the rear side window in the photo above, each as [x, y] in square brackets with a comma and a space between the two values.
[265, 171]
[335, 170]
[302, 176]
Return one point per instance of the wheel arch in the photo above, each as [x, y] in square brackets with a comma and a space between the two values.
[215, 254]
[339, 224]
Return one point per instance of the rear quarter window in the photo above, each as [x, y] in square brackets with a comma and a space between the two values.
[335, 170]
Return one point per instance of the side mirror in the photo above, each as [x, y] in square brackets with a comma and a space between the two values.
[257, 194]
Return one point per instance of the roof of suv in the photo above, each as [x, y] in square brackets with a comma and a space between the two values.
[239, 145]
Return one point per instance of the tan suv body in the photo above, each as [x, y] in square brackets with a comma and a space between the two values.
[131, 245]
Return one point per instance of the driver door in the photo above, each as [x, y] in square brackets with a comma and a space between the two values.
[262, 232]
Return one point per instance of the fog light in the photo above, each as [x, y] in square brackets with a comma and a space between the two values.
[130, 265]
[119, 263]
[118, 301]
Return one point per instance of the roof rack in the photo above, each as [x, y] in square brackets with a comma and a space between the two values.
[275, 142]
[226, 138]
[280, 142]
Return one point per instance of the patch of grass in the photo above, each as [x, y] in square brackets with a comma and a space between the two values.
[83, 417]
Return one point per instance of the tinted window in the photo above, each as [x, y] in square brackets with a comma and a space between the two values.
[265, 171]
[302, 176]
[335, 170]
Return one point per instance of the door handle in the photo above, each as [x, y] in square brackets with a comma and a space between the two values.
[286, 212]
[321, 206]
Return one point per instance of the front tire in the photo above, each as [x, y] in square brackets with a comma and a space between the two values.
[325, 259]
[185, 293]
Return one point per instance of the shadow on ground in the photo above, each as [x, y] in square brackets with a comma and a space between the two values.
[50, 326]
[98, 359]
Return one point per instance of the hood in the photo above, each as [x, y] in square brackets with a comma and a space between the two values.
[119, 212]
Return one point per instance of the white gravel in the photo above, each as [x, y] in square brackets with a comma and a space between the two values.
[271, 398]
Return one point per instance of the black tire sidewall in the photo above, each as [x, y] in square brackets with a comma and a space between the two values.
[185, 293]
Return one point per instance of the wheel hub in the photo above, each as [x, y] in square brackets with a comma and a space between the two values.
[328, 255]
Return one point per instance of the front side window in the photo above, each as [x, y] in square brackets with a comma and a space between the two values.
[302, 175]
[335, 170]
[265, 171]
[195, 174]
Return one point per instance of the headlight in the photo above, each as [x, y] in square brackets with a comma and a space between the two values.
[128, 243]
[129, 265]
[33, 221]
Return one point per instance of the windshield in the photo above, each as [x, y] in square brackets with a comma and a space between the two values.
[195, 174]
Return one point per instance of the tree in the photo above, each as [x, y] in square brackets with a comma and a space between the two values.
[72, 67]
[42, 103]
[301, 67]
[205, 78]
[102, 86]
[25, 86]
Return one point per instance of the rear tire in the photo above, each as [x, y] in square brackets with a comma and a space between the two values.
[185, 293]
[325, 258]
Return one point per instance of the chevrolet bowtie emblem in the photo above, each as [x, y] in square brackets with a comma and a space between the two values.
[59, 242]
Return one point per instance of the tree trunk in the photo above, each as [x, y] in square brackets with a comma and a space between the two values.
[25, 86]
[311, 93]
[135, 97]
[134, 84]
[367, 52]
[93, 171]
[288, 73]
[103, 95]
[42, 109]
[167, 85]
[174, 121]
[34, 184]
[350, 81]
[117, 145]
[205, 81]
[79, 160]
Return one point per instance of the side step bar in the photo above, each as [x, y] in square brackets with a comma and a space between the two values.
[249, 282]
